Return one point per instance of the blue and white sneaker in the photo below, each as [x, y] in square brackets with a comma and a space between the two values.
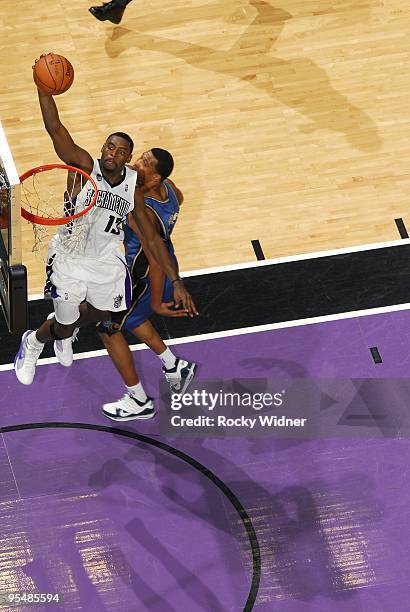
[180, 376]
[129, 408]
[26, 359]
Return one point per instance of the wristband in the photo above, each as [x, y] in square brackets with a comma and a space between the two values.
[177, 279]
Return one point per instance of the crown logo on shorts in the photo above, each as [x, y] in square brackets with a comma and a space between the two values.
[118, 301]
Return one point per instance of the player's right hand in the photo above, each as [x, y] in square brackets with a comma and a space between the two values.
[37, 59]
[183, 298]
[40, 91]
[165, 309]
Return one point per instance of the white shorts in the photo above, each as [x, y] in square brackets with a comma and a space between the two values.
[105, 284]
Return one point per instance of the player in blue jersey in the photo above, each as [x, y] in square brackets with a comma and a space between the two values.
[152, 292]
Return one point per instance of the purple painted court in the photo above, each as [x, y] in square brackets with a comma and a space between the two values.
[113, 523]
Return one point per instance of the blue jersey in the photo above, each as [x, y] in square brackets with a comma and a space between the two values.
[166, 214]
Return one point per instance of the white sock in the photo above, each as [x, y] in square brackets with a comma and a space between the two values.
[168, 359]
[33, 342]
[138, 392]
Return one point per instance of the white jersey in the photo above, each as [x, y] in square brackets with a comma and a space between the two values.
[101, 229]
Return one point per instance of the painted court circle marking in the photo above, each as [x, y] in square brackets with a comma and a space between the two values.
[247, 523]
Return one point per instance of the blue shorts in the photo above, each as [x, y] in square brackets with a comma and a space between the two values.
[141, 310]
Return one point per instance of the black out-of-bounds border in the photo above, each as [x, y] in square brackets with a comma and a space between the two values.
[263, 295]
[247, 523]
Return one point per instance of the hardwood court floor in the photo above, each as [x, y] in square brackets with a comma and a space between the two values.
[288, 121]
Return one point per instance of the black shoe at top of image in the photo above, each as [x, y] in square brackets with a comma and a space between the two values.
[110, 11]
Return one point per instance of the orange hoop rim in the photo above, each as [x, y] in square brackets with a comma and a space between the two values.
[29, 216]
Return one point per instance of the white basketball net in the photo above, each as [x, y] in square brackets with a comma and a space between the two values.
[52, 195]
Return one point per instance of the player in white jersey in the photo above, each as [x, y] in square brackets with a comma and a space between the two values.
[103, 225]
[86, 262]
[87, 285]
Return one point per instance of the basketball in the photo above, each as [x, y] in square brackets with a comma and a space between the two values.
[53, 74]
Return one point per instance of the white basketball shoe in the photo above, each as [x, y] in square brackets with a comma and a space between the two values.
[26, 359]
[129, 408]
[63, 349]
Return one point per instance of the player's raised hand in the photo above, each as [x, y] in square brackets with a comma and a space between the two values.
[38, 58]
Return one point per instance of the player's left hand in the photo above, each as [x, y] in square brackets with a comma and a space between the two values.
[184, 298]
[165, 309]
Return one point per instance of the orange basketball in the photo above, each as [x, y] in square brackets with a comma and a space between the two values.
[53, 74]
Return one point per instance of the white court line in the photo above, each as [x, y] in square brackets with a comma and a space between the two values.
[280, 260]
[301, 257]
[239, 332]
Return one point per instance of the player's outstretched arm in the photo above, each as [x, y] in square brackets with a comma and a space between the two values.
[157, 249]
[156, 275]
[64, 145]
